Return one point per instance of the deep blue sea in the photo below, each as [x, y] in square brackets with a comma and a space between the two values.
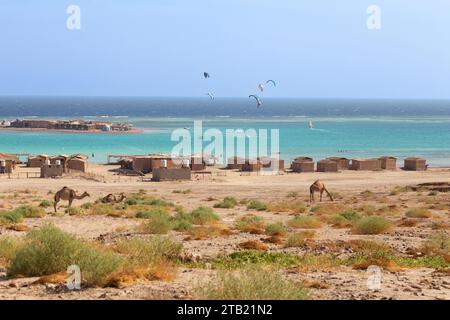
[350, 128]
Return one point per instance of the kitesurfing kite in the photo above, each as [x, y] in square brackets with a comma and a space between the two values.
[261, 87]
[258, 100]
[272, 82]
[210, 95]
[206, 75]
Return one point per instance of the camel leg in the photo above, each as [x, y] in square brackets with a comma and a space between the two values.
[311, 196]
[329, 194]
[70, 204]
[321, 193]
[55, 203]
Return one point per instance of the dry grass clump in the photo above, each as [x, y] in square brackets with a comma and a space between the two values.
[276, 229]
[203, 215]
[367, 253]
[253, 245]
[438, 245]
[297, 206]
[390, 210]
[251, 283]
[251, 224]
[304, 222]
[407, 223]
[207, 232]
[298, 239]
[325, 209]
[372, 225]
[8, 248]
[418, 213]
[149, 259]
[257, 205]
[344, 219]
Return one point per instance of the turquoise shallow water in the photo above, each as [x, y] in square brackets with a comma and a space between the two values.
[427, 137]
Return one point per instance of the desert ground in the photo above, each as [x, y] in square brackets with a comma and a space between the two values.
[265, 236]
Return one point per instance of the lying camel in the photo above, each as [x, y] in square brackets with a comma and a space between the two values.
[318, 186]
[69, 195]
[110, 198]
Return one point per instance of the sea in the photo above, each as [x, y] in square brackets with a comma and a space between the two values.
[352, 128]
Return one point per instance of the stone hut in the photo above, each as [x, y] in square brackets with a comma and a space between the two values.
[415, 164]
[343, 163]
[388, 163]
[302, 164]
[327, 166]
[37, 161]
[365, 164]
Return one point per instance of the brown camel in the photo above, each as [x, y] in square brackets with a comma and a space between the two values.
[69, 195]
[110, 198]
[318, 186]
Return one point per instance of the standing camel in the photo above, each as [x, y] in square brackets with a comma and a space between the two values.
[69, 195]
[110, 198]
[318, 186]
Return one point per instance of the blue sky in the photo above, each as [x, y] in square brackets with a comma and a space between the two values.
[314, 48]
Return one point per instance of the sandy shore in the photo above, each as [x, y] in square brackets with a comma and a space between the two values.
[352, 190]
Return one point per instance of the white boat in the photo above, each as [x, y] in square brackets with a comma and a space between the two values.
[310, 124]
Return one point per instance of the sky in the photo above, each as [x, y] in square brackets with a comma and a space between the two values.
[312, 48]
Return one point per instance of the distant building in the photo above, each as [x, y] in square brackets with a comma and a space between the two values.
[80, 125]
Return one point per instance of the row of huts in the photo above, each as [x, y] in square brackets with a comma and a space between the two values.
[56, 166]
[335, 164]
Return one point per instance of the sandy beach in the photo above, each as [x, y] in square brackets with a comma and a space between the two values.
[390, 195]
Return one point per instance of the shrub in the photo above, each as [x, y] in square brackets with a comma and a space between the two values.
[418, 213]
[49, 250]
[372, 225]
[46, 204]
[298, 239]
[8, 249]
[438, 245]
[181, 222]
[251, 284]
[250, 223]
[203, 215]
[227, 203]
[147, 252]
[157, 222]
[276, 229]
[257, 205]
[151, 212]
[10, 217]
[304, 222]
[287, 206]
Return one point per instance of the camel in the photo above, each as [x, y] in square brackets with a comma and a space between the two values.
[69, 195]
[110, 198]
[318, 186]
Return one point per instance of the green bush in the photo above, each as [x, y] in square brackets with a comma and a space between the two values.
[49, 250]
[203, 215]
[46, 204]
[276, 229]
[372, 225]
[8, 217]
[182, 222]
[250, 223]
[257, 205]
[157, 222]
[227, 203]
